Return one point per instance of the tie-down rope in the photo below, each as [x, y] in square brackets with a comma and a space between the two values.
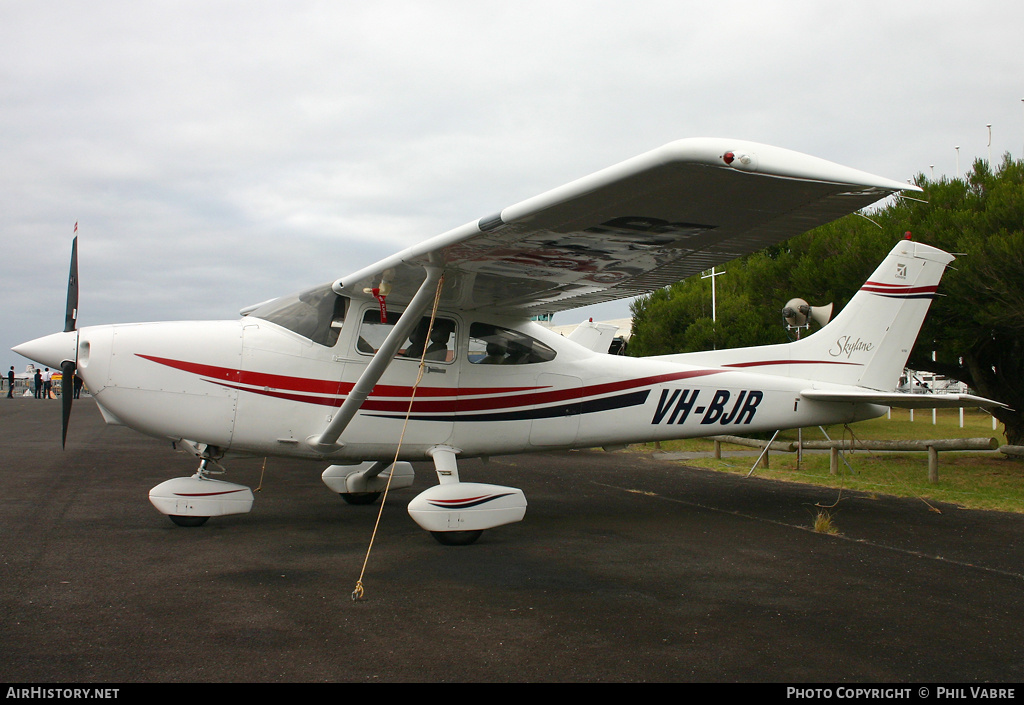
[357, 593]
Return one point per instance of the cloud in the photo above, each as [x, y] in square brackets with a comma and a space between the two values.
[218, 154]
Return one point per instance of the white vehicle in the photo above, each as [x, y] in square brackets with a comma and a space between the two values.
[434, 345]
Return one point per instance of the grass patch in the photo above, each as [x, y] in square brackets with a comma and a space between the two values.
[823, 524]
[974, 480]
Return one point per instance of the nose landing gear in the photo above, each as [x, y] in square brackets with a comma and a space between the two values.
[191, 501]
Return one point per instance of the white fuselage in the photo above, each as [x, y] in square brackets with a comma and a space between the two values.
[253, 387]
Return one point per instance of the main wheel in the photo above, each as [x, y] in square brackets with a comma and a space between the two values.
[456, 538]
[187, 521]
[360, 497]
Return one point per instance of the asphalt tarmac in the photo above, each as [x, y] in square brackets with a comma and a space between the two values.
[627, 568]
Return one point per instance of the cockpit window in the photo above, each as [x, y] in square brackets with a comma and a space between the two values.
[317, 314]
[494, 345]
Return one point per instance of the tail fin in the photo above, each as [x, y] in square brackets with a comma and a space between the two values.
[868, 343]
[874, 333]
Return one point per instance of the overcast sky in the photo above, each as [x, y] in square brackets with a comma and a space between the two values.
[217, 154]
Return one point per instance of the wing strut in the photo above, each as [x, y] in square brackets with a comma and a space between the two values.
[327, 442]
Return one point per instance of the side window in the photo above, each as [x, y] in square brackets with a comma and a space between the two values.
[494, 345]
[440, 346]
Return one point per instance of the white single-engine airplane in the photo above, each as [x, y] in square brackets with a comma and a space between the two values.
[431, 354]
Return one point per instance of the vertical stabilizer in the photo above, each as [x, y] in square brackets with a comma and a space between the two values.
[874, 333]
[868, 343]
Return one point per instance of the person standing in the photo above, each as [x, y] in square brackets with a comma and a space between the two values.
[37, 383]
[10, 382]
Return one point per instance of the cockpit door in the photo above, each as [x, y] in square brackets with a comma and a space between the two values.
[432, 415]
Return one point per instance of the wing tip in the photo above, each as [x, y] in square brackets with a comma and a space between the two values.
[768, 160]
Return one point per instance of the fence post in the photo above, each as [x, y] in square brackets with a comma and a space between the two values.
[933, 465]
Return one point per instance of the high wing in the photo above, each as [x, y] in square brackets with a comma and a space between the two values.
[629, 229]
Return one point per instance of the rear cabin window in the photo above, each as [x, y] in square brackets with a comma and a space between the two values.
[494, 345]
[317, 314]
[440, 345]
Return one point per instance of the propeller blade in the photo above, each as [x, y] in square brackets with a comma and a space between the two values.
[69, 367]
[67, 396]
[71, 312]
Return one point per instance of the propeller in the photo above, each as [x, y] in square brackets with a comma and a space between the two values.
[68, 368]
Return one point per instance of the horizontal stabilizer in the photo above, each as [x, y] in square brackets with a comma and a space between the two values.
[903, 401]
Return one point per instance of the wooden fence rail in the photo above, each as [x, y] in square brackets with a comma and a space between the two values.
[932, 447]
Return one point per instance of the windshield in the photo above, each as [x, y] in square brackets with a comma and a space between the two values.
[317, 314]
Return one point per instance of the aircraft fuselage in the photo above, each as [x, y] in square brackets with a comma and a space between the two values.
[250, 386]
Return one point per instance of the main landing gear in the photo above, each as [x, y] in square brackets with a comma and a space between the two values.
[455, 513]
[365, 483]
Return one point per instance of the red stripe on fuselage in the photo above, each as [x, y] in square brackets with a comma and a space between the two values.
[315, 386]
[506, 401]
[789, 362]
[282, 387]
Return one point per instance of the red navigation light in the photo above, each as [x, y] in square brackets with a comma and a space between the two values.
[906, 235]
[728, 157]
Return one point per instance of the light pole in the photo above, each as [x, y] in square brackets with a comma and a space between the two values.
[989, 126]
[957, 148]
[714, 303]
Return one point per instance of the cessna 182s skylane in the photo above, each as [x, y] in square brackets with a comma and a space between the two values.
[331, 374]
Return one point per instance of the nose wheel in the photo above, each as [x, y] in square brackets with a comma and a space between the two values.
[180, 520]
[203, 473]
[191, 501]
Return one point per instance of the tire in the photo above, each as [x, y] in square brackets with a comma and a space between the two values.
[187, 521]
[360, 497]
[456, 538]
